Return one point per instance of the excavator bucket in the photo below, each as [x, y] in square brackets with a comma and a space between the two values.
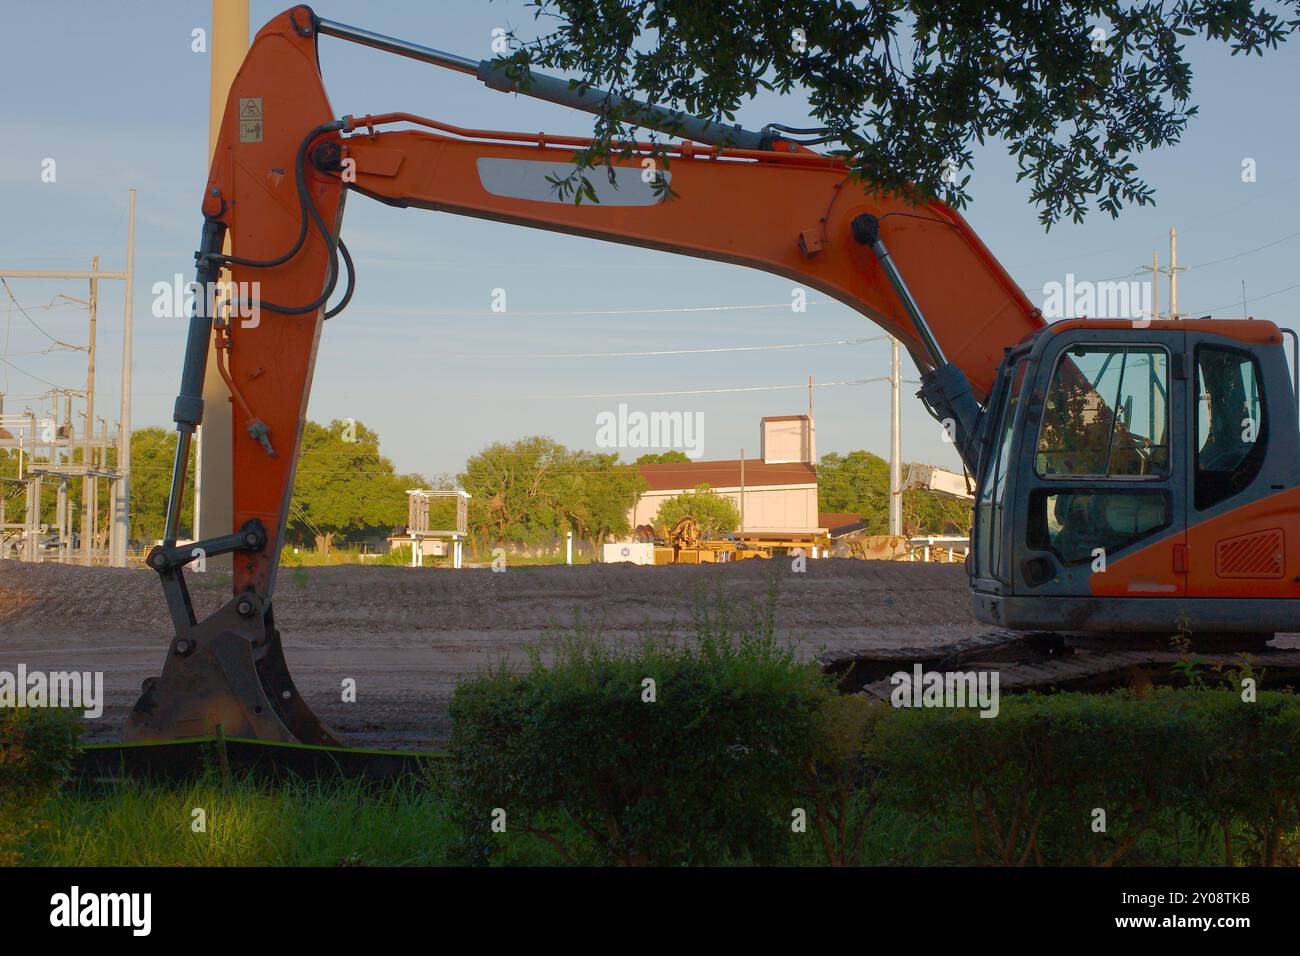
[228, 672]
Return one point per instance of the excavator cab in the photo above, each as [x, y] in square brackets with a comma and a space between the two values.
[1153, 462]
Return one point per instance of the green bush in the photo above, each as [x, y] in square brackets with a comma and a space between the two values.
[37, 747]
[1034, 782]
[577, 754]
[843, 779]
[578, 767]
[1246, 773]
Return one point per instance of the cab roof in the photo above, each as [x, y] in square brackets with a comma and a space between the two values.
[1246, 331]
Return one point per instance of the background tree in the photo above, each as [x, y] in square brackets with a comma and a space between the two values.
[663, 458]
[442, 510]
[1073, 88]
[858, 483]
[596, 494]
[515, 489]
[345, 488]
[153, 454]
[855, 483]
[715, 513]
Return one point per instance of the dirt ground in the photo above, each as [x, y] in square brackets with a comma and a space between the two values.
[406, 636]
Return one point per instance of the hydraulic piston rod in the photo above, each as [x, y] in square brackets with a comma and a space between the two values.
[555, 90]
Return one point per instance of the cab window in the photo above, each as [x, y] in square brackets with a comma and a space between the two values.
[989, 508]
[1073, 524]
[1231, 429]
[1106, 414]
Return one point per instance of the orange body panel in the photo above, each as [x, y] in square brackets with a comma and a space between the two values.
[1206, 575]
[1275, 518]
[747, 211]
[272, 355]
[1148, 572]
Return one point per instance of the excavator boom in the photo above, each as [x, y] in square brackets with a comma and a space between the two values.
[282, 168]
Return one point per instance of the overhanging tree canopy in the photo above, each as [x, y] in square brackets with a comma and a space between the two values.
[1074, 88]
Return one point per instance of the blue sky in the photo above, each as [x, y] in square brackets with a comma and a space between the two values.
[113, 93]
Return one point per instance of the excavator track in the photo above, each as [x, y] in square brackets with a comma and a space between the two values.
[1048, 662]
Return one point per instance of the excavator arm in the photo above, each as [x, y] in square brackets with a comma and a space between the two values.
[284, 164]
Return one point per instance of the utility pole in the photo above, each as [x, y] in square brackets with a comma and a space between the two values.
[895, 444]
[742, 491]
[61, 522]
[122, 484]
[213, 491]
[1173, 273]
[88, 484]
[1155, 285]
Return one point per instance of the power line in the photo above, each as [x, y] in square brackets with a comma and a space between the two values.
[1199, 265]
[1196, 224]
[1267, 245]
[715, 391]
[45, 381]
[27, 316]
[1257, 298]
[584, 312]
[734, 348]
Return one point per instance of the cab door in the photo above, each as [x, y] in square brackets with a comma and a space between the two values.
[1244, 519]
[1102, 496]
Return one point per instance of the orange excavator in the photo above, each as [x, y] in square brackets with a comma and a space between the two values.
[1132, 476]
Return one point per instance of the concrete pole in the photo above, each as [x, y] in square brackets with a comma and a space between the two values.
[87, 554]
[895, 444]
[67, 427]
[742, 491]
[214, 512]
[61, 520]
[122, 486]
[1173, 273]
[94, 523]
[34, 520]
[568, 547]
[29, 553]
[93, 506]
[1155, 285]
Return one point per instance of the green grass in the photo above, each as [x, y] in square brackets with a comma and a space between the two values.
[410, 824]
[248, 824]
[311, 558]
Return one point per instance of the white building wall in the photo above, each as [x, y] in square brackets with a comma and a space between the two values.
[789, 440]
[767, 507]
